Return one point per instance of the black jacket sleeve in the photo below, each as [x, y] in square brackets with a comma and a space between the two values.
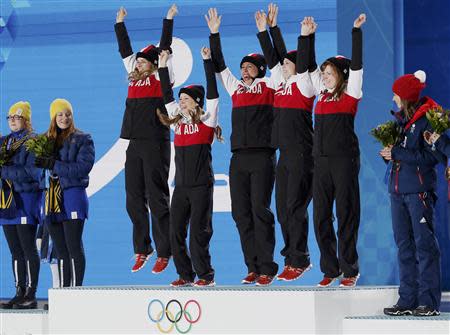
[278, 43]
[267, 48]
[211, 83]
[312, 65]
[166, 88]
[216, 52]
[166, 35]
[123, 40]
[356, 62]
[303, 50]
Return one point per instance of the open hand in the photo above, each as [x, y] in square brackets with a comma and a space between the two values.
[272, 15]
[213, 20]
[121, 13]
[261, 20]
[173, 10]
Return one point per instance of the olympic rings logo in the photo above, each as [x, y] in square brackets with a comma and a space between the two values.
[174, 312]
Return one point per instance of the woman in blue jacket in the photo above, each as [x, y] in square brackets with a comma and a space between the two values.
[21, 194]
[412, 184]
[66, 203]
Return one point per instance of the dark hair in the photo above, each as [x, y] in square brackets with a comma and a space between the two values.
[341, 83]
[409, 107]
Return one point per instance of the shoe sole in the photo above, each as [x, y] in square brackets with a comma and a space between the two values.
[398, 313]
[262, 285]
[433, 313]
[350, 286]
[301, 275]
[185, 285]
[332, 281]
[209, 285]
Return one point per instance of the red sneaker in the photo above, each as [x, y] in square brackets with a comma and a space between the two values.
[204, 283]
[180, 282]
[295, 273]
[327, 281]
[141, 259]
[349, 281]
[160, 265]
[283, 274]
[264, 280]
[250, 279]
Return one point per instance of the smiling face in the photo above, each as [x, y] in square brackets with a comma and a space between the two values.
[288, 68]
[16, 122]
[330, 77]
[64, 119]
[187, 103]
[249, 72]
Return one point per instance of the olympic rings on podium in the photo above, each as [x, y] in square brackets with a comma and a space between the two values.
[172, 317]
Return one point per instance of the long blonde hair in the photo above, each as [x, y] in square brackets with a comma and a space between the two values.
[136, 75]
[195, 115]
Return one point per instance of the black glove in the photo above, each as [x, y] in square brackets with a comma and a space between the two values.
[44, 162]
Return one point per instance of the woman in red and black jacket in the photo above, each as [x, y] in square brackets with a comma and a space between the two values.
[192, 200]
[252, 167]
[148, 154]
[338, 84]
[292, 133]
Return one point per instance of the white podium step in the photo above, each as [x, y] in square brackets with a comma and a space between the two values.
[17, 322]
[397, 325]
[146, 309]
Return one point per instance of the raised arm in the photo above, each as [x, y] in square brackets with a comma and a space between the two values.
[229, 81]
[212, 94]
[264, 40]
[308, 29]
[354, 87]
[167, 31]
[123, 40]
[275, 32]
[166, 87]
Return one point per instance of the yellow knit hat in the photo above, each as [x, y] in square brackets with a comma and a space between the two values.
[59, 105]
[21, 108]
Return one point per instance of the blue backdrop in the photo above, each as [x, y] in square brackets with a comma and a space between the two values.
[68, 49]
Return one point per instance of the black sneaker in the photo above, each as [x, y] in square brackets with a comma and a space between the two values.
[425, 311]
[396, 310]
[20, 293]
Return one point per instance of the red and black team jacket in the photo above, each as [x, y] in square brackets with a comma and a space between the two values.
[294, 98]
[193, 160]
[252, 105]
[334, 119]
[140, 120]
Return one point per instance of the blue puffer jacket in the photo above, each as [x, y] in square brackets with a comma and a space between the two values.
[22, 172]
[413, 167]
[75, 160]
[443, 144]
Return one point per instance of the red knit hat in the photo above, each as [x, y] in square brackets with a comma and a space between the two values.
[409, 86]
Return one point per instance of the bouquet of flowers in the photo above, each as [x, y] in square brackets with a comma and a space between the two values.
[387, 133]
[41, 146]
[4, 155]
[439, 119]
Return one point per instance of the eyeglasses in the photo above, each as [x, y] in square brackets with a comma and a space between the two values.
[14, 117]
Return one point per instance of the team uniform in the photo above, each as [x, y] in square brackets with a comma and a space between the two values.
[148, 154]
[192, 199]
[336, 168]
[22, 189]
[252, 166]
[292, 134]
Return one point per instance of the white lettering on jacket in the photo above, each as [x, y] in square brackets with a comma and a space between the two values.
[140, 82]
[244, 89]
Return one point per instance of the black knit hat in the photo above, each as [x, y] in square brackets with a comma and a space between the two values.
[150, 53]
[342, 64]
[196, 92]
[259, 61]
[292, 56]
